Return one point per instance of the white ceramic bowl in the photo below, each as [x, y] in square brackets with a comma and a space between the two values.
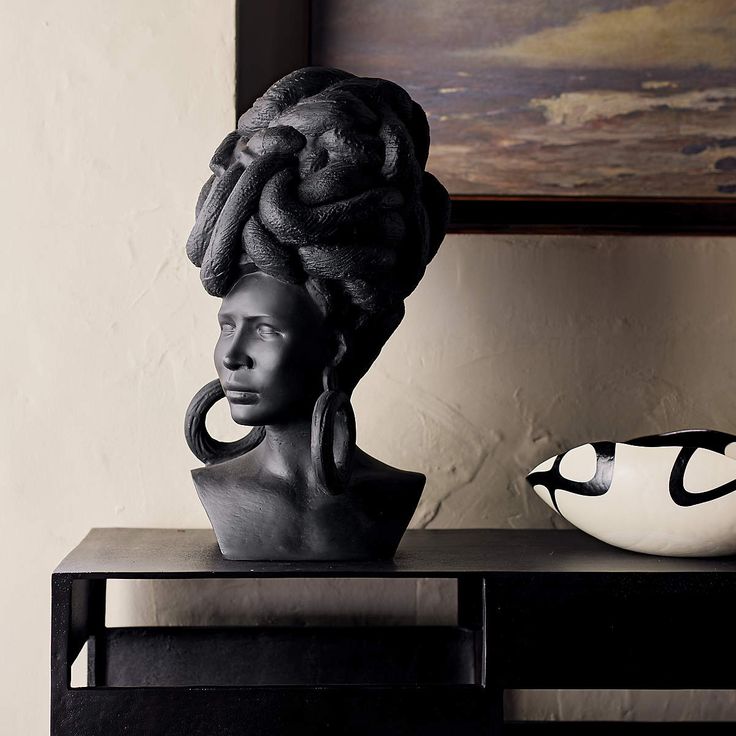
[670, 494]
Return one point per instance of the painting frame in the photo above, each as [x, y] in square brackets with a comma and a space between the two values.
[275, 38]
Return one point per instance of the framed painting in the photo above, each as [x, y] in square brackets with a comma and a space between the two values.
[547, 116]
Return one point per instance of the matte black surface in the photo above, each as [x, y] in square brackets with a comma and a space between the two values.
[266, 47]
[191, 656]
[342, 711]
[607, 728]
[536, 609]
[612, 631]
[317, 221]
[121, 553]
[592, 215]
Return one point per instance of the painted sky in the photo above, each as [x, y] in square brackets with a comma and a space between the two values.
[607, 97]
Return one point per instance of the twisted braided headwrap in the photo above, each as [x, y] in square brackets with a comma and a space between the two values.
[323, 184]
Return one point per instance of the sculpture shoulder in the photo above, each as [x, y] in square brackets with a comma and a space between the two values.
[369, 476]
[242, 482]
[239, 468]
[371, 473]
[257, 516]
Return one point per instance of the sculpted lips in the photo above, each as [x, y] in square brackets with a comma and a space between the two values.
[238, 395]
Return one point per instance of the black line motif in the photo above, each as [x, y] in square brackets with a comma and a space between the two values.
[708, 439]
[689, 440]
[599, 484]
[680, 495]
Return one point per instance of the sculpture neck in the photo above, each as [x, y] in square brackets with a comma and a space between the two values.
[286, 451]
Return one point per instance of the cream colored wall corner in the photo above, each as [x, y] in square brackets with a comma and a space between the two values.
[512, 348]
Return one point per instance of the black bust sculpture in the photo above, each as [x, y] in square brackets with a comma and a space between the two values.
[317, 222]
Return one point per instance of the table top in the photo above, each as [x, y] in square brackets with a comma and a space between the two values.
[171, 553]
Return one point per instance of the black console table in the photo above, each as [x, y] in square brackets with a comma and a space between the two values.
[535, 609]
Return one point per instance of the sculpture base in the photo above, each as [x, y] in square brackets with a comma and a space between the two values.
[272, 519]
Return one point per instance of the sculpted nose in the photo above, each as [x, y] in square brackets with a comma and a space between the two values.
[233, 360]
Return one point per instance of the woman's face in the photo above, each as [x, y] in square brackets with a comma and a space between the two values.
[272, 350]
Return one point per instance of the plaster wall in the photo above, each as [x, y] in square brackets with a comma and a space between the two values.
[109, 113]
[513, 348]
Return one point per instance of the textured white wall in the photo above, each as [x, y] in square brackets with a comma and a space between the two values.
[512, 348]
[109, 114]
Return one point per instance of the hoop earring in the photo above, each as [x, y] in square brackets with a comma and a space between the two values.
[200, 441]
[333, 436]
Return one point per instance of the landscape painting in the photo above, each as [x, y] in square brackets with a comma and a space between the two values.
[556, 97]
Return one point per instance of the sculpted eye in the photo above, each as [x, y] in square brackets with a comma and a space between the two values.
[266, 332]
[226, 327]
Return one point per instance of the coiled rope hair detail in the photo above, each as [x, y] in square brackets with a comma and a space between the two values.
[323, 184]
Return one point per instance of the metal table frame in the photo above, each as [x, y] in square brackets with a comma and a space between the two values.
[536, 609]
